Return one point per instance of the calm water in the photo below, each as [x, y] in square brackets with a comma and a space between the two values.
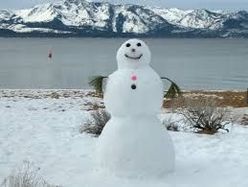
[192, 63]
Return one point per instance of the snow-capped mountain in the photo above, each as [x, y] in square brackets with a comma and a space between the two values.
[83, 18]
[198, 19]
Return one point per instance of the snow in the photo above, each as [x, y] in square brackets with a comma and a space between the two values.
[37, 127]
[173, 15]
[200, 19]
[127, 156]
[119, 98]
[23, 29]
[5, 14]
[133, 97]
[133, 22]
[39, 13]
[76, 13]
[140, 51]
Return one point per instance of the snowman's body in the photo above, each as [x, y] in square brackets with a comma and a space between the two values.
[133, 142]
[145, 99]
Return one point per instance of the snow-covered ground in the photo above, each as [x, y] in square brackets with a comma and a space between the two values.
[42, 126]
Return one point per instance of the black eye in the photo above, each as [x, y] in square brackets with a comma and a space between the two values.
[128, 45]
[138, 44]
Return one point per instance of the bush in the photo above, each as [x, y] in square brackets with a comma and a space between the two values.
[204, 116]
[95, 125]
[26, 176]
[170, 125]
[244, 120]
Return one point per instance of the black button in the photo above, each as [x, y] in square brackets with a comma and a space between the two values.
[133, 86]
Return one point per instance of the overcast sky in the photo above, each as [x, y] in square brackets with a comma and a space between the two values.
[184, 4]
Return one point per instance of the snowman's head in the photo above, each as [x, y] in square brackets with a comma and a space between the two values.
[132, 54]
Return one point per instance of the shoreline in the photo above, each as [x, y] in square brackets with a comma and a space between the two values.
[224, 98]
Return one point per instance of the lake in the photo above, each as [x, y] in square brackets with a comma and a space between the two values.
[191, 63]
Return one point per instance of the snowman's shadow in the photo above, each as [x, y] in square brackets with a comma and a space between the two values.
[190, 173]
[184, 175]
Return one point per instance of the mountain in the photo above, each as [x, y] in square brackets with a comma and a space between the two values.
[100, 19]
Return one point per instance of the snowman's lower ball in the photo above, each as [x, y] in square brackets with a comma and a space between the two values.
[135, 147]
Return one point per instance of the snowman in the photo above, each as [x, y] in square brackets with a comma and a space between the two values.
[133, 142]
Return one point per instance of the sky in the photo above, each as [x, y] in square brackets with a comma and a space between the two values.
[184, 4]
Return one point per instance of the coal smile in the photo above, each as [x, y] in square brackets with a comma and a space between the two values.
[134, 58]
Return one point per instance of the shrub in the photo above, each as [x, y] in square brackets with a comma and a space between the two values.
[204, 116]
[170, 125]
[96, 123]
[97, 82]
[25, 176]
[244, 120]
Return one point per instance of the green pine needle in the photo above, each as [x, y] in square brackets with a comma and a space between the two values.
[174, 89]
[97, 83]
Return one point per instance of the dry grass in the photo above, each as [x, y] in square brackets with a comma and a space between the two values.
[204, 116]
[25, 176]
[95, 125]
[222, 98]
[244, 120]
[93, 106]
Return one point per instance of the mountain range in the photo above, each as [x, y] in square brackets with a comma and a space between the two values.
[80, 18]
